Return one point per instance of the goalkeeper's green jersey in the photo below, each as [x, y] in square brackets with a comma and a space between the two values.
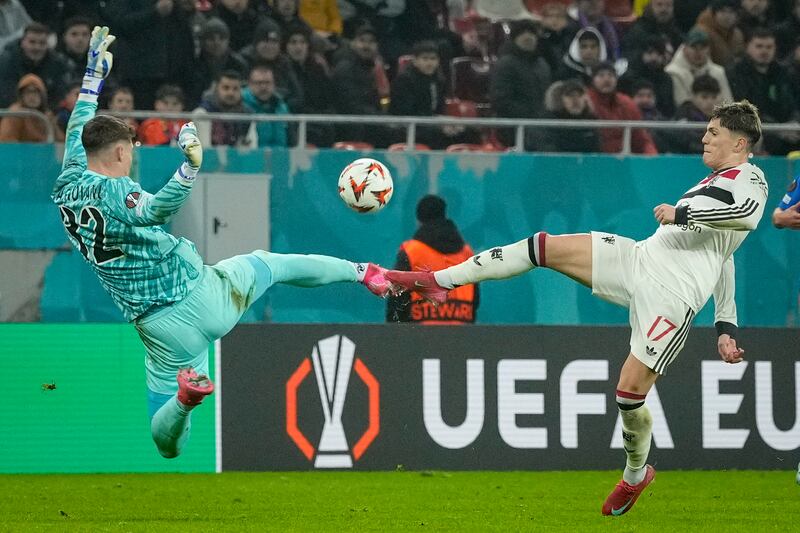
[114, 224]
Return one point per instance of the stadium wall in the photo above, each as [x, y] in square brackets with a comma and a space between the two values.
[494, 198]
[396, 396]
[496, 398]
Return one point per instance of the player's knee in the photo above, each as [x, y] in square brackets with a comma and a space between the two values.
[169, 452]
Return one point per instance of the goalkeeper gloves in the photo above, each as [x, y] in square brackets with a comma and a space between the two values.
[99, 61]
[190, 145]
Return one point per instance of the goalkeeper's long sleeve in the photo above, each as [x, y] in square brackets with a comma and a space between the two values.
[128, 202]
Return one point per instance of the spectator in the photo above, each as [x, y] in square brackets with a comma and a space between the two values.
[382, 15]
[645, 96]
[658, 19]
[591, 14]
[558, 31]
[241, 20]
[31, 56]
[285, 14]
[155, 45]
[312, 75]
[649, 65]
[691, 61]
[610, 104]
[121, 99]
[163, 131]
[766, 84]
[323, 17]
[755, 14]
[705, 95]
[225, 97]
[266, 50]
[418, 90]
[787, 31]
[66, 105]
[519, 80]
[567, 100]
[726, 40]
[355, 87]
[31, 96]
[586, 52]
[497, 10]
[13, 20]
[53, 13]
[436, 244]
[74, 44]
[216, 55]
[260, 95]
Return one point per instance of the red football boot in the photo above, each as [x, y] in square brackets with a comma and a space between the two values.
[423, 283]
[192, 387]
[376, 282]
[625, 495]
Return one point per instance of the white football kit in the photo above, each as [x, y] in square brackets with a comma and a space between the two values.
[667, 278]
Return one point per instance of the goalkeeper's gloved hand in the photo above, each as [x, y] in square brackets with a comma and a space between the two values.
[99, 61]
[192, 150]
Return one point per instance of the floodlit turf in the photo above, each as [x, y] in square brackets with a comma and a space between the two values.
[396, 501]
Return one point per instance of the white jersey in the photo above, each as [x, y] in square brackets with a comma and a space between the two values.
[693, 258]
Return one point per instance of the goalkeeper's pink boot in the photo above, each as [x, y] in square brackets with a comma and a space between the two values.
[376, 282]
[625, 495]
[193, 387]
[423, 283]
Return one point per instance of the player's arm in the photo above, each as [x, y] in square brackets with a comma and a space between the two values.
[787, 214]
[130, 203]
[748, 195]
[725, 314]
[98, 66]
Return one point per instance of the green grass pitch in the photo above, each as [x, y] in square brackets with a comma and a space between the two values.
[751, 501]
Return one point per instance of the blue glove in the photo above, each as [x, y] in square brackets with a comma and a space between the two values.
[99, 61]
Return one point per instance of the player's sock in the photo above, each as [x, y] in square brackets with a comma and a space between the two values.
[496, 263]
[307, 270]
[637, 425]
[170, 427]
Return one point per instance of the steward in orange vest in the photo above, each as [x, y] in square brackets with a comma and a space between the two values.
[437, 244]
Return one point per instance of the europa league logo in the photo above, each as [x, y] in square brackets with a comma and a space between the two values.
[333, 361]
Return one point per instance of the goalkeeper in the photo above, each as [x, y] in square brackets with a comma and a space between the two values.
[177, 304]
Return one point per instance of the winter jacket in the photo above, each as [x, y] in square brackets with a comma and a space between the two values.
[619, 106]
[355, 87]
[269, 133]
[725, 45]
[786, 33]
[644, 28]
[771, 92]
[54, 70]
[580, 140]
[688, 141]
[518, 83]
[571, 66]
[242, 26]
[223, 132]
[683, 75]
[315, 84]
[322, 15]
[662, 82]
[415, 94]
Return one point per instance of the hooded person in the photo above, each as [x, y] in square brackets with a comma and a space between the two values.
[31, 96]
[436, 244]
[586, 51]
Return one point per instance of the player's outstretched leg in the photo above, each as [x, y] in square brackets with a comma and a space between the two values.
[171, 424]
[317, 270]
[496, 263]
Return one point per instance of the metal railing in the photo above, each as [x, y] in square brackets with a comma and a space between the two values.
[411, 123]
[34, 114]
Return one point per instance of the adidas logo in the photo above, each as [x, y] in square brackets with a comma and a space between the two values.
[651, 351]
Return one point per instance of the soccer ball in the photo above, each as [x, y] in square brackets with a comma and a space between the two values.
[366, 185]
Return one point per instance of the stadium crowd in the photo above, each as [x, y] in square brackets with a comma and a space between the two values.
[564, 59]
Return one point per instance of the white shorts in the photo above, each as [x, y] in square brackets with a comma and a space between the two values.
[660, 321]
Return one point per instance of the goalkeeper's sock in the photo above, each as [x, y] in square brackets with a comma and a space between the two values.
[308, 270]
[496, 263]
[637, 426]
[170, 427]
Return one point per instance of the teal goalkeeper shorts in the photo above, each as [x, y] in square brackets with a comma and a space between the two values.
[178, 335]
